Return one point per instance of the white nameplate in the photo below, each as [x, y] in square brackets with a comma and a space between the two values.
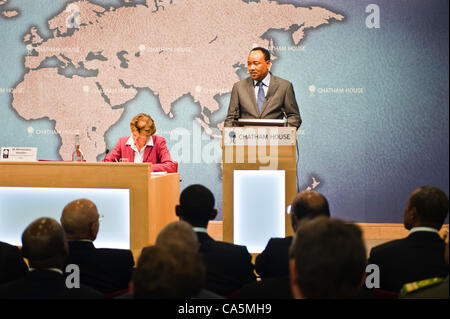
[281, 136]
[18, 154]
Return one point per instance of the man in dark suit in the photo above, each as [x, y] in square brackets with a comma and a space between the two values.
[418, 256]
[107, 270]
[45, 246]
[272, 264]
[228, 266]
[327, 260]
[168, 272]
[262, 95]
[274, 260]
[433, 288]
[12, 265]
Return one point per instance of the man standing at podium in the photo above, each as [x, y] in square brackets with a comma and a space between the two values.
[262, 95]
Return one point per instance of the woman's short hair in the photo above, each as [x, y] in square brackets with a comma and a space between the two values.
[143, 124]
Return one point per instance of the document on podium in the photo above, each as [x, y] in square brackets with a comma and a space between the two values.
[262, 122]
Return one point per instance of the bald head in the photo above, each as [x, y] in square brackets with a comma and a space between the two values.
[308, 205]
[80, 220]
[44, 244]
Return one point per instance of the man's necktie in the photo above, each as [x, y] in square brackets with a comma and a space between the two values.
[261, 96]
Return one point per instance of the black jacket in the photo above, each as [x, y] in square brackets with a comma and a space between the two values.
[228, 266]
[274, 260]
[12, 265]
[104, 269]
[45, 284]
[416, 257]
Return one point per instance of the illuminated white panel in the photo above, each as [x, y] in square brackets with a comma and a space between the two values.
[259, 205]
[19, 206]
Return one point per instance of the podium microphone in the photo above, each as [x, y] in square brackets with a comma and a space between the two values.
[232, 134]
[285, 117]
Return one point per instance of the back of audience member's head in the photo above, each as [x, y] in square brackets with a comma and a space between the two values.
[168, 271]
[427, 207]
[308, 204]
[328, 259]
[178, 232]
[80, 220]
[44, 244]
[196, 206]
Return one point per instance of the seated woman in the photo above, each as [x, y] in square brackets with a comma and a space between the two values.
[143, 147]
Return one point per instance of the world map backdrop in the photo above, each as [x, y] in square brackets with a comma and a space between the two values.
[371, 79]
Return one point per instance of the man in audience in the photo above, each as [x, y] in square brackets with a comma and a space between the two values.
[178, 232]
[168, 271]
[181, 272]
[418, 256]
[432, 288]
[107, 270]
[228, 266]
[328, 260]
[273, 263]
[12, 265]
[44, 244]
[181, 233]
[274, 260]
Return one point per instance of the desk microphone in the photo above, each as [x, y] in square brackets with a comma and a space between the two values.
[106, 153]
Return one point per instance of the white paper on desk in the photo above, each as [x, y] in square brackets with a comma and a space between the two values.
[159, 173]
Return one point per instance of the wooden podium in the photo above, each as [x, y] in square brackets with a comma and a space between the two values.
[152, 198]
[257, 148]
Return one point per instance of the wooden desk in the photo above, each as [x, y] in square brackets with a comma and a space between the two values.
[152, 199]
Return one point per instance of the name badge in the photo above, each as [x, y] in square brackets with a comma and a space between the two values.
[18, 154]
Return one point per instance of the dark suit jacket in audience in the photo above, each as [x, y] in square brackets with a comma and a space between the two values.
[203, 294]
[416, 257]
[228, 266]
[274, 260]
[12, 265]
[268, 288]
[45, 284]
[104, 269]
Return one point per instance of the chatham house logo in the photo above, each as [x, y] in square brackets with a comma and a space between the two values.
[232, 135]
[30, 131]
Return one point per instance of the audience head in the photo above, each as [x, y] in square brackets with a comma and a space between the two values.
[44, 244]
[327, 259]
[196, 206]
[308, 205]
[427, 207]
[80, 220]
[168, 271]
[180, 233]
